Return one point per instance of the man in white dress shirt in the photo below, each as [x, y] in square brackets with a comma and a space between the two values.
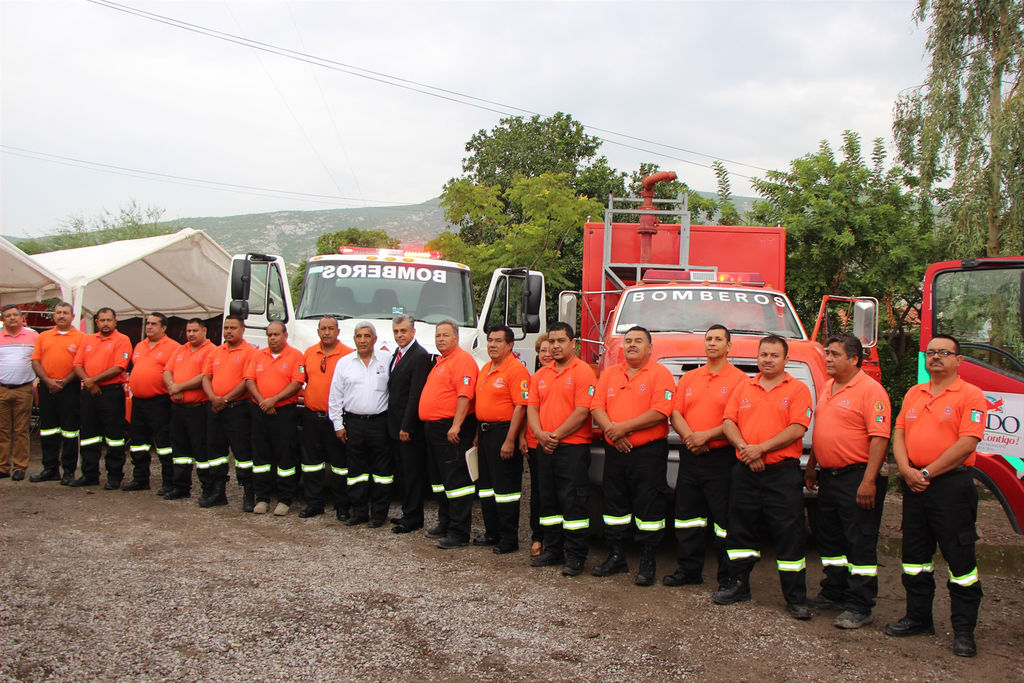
[357, 406]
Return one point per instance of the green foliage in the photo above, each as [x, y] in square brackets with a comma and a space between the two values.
[328, 243]
[850, 230]
[130, 222]
[728, 215]
[963, 129]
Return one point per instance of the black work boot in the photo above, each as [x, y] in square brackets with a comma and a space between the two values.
[615, 563]
[736, 590]
[216, 496]
[248, 497]
[645, 575]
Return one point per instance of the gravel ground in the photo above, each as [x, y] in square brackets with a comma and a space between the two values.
[108, 585]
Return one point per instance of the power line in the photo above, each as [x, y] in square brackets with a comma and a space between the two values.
[192, 182]
[415, 86]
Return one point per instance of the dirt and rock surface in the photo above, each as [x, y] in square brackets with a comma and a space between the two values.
[109, 585]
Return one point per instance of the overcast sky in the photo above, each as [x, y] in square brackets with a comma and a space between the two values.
[754, 82]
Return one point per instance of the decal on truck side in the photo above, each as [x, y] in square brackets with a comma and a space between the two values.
[378, 271]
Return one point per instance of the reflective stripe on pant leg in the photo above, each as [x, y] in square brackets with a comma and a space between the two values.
[437, 488]
[720, 532]
[91, 441]
[834, 561]
[117, 443]
[863, 569]
[743, 554]
[968, 579]
[340, 471]
[915, 569]
[650, 525]
[203, 464]
[258, 469]
[792, 565]
[181, 460]
[358, 479]
[553, 520]
[508, 497]
[313, 468]
[223, 460]
[693, 523]
[485, 493]
[460, 492]
[383, 479]
[290, 472]
[576, 524]
[165, 451]
[611, 520]
[241, 465]
[69, 435]
[49, 432]
[141, 448]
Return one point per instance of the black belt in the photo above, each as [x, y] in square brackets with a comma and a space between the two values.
[782, 464]
[365, 417]
[839, 471]
[191, 404]
[488, 426]
[319, 413]
[15, 386]
[233, 404]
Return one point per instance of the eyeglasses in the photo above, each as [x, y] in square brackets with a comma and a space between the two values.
[323, 364]
[942, 353]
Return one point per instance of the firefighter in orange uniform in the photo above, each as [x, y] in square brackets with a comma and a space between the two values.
[631, 406]
[151, 405]
[183, 377]
[501, 392]
[100, 364]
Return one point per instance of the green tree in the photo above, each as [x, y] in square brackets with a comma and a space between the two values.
[328, 243]
[851, 229]
[130, 222]
[963, 129]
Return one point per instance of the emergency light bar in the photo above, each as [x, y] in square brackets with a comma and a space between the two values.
[394, 253]
[752, 279]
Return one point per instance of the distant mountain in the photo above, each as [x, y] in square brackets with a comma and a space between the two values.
[293, 234]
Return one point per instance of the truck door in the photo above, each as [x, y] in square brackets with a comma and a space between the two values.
[258, 292]
[857, 315]
[515, 298]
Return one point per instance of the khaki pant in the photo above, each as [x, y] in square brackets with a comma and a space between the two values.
[15, 412]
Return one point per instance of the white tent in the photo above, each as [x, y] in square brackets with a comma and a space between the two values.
[23, 279]
[183, 274]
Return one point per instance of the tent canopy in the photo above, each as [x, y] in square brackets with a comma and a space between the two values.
[23, 279]
[183, 274]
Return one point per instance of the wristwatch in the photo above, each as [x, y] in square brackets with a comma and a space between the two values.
[924, 473]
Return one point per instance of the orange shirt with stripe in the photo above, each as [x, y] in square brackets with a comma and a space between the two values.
[226, 367]
[97, 353]
[845, 421]
[319, 371]
[185, 364]
[624, 397]
[701, 397]
[56, 351]
[272, 375]
[146, 379]
[452, 377]
[500, 389]
[934, 423]
[557, 393]
[761, 414]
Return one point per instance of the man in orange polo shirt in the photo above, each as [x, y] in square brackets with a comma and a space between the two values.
[273, 378]
[151, 406]
[631, 406]
[320, 447]
[765, 420]
[501, 392]
[229, 420]
[100, 363]
[446, 408]
[706, 459]
[851, 440]
[937, 431]
[59, 395]
[558, 411]
[183, 377]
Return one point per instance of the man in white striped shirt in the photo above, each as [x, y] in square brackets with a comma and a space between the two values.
[16, 375]
[357, 405]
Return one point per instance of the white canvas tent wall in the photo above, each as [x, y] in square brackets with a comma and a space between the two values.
[183, 274]
[24, 280]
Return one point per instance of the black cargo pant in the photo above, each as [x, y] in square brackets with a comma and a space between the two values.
[273, 447]
[371, 467]
[150, 430]
[188, 439]
[564, 490]
[231, 427]
[702, 500]
[634, 486]
[944, 513]
[448, 462]
[847, 538]
[324, 461]
[776, 497]
[411, 456]
[500, 486]
[103, 421]
[58, 427]
[536, 530]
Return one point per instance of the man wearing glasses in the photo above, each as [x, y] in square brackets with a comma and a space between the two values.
[320, 447]
[941, 423]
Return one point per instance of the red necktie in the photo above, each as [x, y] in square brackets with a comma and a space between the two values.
[398, 357]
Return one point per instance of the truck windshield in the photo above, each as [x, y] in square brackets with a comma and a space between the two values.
[693, 309]
[379, 291]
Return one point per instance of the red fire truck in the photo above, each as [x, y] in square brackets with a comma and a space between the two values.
[978, 302]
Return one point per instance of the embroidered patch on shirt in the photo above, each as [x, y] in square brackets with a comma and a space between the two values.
[975, 416]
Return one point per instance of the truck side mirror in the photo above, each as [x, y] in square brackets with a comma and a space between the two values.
[241, 276]
[865, 321]
[568, 302]
[533, 297]
[239, 307]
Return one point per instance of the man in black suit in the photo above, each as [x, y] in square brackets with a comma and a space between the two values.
[410, 365]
